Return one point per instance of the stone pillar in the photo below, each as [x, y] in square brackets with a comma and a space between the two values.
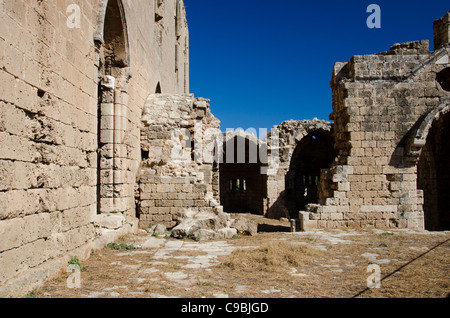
[121, 160]
[106, 146]
[442, 31]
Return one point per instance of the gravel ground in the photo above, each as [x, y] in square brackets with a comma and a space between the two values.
[319, 264]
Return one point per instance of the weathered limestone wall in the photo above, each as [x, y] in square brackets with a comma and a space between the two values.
[176, 172]
[158, 37]
[379, 101]
[442, 31]
[50, 127]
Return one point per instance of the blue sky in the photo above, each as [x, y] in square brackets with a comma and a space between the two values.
[262, 62]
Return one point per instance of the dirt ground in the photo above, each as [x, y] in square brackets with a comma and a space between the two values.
[272, 264]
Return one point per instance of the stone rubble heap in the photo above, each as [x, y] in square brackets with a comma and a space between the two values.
[207, 224]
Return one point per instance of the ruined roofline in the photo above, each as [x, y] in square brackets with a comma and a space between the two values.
[229, 135]
[421, 47]
[395, 64]
[307, 124]
[353, 70]
[441, 31]
[304, 121]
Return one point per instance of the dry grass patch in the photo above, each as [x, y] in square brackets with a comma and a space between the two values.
[275, 265]
[274, 256]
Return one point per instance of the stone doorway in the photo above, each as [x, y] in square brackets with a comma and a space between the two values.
[433, 173]
[313, 153]
[243, 187]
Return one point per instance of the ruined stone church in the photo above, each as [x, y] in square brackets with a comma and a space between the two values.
[100, 136]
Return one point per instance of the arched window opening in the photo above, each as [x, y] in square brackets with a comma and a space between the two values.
[158, 88]
[113, 52]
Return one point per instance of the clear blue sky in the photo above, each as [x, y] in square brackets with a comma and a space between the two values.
[262, 62]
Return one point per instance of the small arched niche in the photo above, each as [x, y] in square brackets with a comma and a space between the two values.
[158, 89]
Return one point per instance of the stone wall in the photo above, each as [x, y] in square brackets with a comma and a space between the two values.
[379, 104]
[176, 172]
[53, 122]
[442, 31]
[98, 130]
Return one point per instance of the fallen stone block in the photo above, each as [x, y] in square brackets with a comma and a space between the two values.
[192, 221]
[152, 242]
[204, 223]
[205, 235]
[110, 221]
[245, 226]
[185, 228]
[226, 233]
[158, 229]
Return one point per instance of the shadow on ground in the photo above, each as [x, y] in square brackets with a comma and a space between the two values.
[269, 228]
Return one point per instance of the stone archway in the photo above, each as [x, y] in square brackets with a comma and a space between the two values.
[433, 170]
[313, 153]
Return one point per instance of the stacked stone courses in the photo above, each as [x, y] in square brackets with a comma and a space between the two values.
[175, 174]
[47, 135]
[51, 132]
[100, 135]
[378, 102]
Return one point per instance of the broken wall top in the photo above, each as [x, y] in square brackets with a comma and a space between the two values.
[442, 31]
[174, 128]
[401, 62]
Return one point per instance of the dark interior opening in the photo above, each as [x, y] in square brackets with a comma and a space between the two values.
[434, 175]
[313, 153]
[443, 78]
[242, 186]
[40, 93]
[145, 154]
[158, 89]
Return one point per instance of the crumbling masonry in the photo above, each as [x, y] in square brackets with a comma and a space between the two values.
[100, 135]
[391, 113]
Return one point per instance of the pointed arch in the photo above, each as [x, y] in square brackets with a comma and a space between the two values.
[433, 169]
[119, 34]
[158, 88]
[418, 137]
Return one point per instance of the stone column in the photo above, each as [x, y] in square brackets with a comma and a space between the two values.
[106, 146]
